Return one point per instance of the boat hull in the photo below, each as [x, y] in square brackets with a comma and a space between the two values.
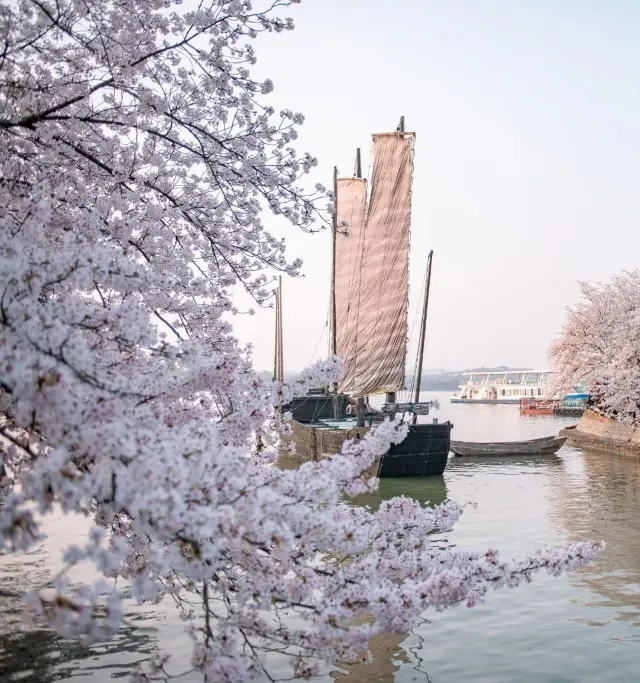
[533, 406]
[423, 453]
[537, 411]
[315, 407]
[546, 446]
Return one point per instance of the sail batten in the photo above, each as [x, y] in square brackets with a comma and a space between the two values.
[372, 270]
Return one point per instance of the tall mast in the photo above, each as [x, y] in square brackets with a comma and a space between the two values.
[278, 358]
[333, 262]
[423, 330]
[278, 354]
[334, 326]
[276, 344]
[280, 336]
[361, 400]
[358, 169]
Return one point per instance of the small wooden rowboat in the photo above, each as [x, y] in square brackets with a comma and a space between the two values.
[546, 446]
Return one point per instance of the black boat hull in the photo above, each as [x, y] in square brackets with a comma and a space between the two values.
[424, 453]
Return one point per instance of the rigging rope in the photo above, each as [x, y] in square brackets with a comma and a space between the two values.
[326, 325]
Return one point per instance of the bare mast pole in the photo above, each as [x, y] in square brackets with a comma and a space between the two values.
[361, 400]
[423, 331]
[277, 339]
[390, 396]
[277, 360]
[334, 344]
[281, 345]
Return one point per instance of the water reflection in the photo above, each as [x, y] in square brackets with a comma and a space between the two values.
[516, 463]
[387, 658]
[40, 656]
[390, 653]
[579, 628]
[430, 490]
[599, 498]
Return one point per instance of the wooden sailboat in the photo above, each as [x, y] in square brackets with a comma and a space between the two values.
[369, 317]
[545, 446]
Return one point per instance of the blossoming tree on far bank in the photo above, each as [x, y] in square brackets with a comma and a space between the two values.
[600, 347]
[136, 154]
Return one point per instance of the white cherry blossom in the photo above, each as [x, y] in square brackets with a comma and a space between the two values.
[137, 156]
[600, 347]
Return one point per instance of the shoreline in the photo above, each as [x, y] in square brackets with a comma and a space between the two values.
[598, 433]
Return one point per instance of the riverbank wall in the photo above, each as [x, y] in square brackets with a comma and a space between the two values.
[596, 432]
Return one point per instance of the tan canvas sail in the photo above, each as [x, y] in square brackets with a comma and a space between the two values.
[351, 208]
[374, 318]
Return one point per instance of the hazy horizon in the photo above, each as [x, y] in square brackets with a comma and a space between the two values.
[526, 168]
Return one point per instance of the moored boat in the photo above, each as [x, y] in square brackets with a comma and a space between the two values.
[545, 446]
[532, 406]
[540, 407]
[423, 453]
[515, 386]
[369, 318]
[503, 386]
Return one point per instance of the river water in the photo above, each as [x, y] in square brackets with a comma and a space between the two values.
[584, 627]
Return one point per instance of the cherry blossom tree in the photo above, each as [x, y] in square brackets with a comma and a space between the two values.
[137, 156]
[600, 347]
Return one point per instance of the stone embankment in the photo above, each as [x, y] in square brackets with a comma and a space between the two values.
[600, 433]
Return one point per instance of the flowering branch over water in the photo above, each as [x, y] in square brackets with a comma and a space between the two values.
[137, 153]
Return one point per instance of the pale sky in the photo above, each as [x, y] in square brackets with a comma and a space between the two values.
[527, 165]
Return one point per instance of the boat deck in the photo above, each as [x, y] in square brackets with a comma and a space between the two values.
[345, 423]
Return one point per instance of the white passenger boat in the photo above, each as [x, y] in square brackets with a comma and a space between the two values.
[504, 387]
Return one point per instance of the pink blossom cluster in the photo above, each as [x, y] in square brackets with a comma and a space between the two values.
[136, 157]
[600, 347]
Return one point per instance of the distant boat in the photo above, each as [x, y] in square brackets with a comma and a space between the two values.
[575, 398]
[532, 406]
[540, 407]
[545, 446]
[503, 386]
[512, 386]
